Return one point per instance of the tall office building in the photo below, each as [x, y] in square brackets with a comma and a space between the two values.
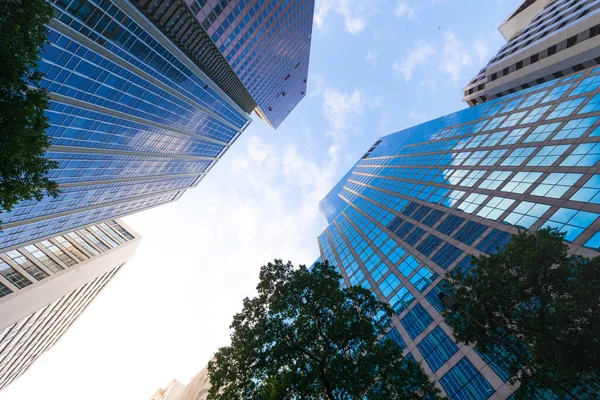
[546, 39]
[143, 103]
[424, 200]
[46, 285]
[196, 389]
[266, 43]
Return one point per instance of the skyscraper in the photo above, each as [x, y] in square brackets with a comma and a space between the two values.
[46, 285]
[423, 201]
[266, 42]
[134, 122]
[545, 40]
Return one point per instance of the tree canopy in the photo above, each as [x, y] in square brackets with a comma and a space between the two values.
[542, 306]
[304, 337]
[23, 139]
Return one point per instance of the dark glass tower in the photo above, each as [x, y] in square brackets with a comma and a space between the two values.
[267, 43]
[134, 122]
[424, 200]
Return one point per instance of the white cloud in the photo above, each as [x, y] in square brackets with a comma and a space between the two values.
[482, 49]
[341, 111]
[354, 12]
[455, 58]
[370, 58]
[403, 9]
[420, 54]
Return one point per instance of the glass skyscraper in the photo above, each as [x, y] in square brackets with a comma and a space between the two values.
[134, 122]
[46, 285]
[423, 201]
[267, 43]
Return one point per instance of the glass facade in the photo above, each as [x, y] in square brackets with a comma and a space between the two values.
[424, 200]
[133, 122]
[57, 258]
[267, 43]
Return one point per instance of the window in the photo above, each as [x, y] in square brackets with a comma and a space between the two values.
[62, 256]
[494, 180]
[4, 291]
[389, 285]
[533, 99]
[446, 255]
[494, 138]
[556, 184]
[414, 236]
[472, 178]
[589, 192]
[471, 203]
[493, 157]
[463, 381]
[535, 115]
[408, 265]
[557, 93]
[470, 232]
[493, 124]
[437, 348]
[13, 276]
[541, 133]
[495, 207]
[572, 41]
[591, 106]
[450, 224]
[433, 296]
[575, 128]
[423, 278]
[416, 320]
[394, 335]
[573, 222]
[380, 271]
[584, 155]
[521, 182]
[514, 136]
[428, 245]
[526, 214]
[547, 155]
[566, 108]
[476, 157]
[27, 265]
[518, 156]
[401, 300]
[43, 258]
[587, 85]
[513, 119]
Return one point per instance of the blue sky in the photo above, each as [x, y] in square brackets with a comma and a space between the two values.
[377, 66]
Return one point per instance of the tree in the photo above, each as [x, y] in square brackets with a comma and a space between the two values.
[303, 337]
[23, 138]
[541, 306]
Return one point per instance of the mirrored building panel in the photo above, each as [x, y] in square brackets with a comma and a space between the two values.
[134, 122]
[423, 201]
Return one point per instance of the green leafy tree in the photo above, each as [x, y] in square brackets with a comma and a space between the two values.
[303, 337]
[23, 139]
[538, 306]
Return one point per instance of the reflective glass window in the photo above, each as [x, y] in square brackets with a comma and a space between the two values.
[401, 300]
[437, 348]
[463, 381]
[521, 181]
[573, 222]
[541, 133]
[547, 155]
[556, 184]
[526, 214]
[518, 156]
[416, 320]
[575, 128]
[495, 207]
[584, 155]
[566, 108]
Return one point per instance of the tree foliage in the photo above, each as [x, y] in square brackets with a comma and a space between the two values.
[303, 337]
[23, 139]
[543, 307]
